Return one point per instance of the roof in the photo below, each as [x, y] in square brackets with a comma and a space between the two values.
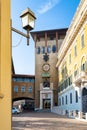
[23, 76]
[53, 31]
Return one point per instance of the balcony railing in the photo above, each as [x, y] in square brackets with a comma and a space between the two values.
[82, 77]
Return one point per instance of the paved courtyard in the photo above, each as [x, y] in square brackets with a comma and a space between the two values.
[45, 121]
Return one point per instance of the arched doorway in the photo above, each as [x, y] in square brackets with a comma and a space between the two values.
[84, 100]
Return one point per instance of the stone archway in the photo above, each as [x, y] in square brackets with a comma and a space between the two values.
[84, 100]
[26, 103]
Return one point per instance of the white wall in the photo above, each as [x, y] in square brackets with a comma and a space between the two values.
[74, 105]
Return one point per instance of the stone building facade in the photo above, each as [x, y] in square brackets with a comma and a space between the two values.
[23, 90]
[47, 44]
[72, 64]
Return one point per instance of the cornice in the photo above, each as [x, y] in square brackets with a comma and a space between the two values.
[78, 20]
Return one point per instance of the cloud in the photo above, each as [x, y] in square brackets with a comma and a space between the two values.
[47, 6]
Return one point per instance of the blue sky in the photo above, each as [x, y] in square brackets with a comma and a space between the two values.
[50, 14]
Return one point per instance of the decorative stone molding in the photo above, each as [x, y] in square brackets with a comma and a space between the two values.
[81, 78]
[78, 20]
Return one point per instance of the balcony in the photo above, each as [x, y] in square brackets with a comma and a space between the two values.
[81, 78]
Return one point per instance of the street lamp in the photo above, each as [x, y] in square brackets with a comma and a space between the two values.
[28, 23]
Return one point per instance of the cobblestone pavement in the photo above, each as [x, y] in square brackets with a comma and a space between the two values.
[45, 121]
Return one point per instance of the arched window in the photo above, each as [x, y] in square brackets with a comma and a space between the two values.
[38, 50]
[49, 49]
[83, 64]
[75, 70]
[43, 50]
[76, 93]
[82, 40]
[30, 89]
[54, 48]
[22, 88]
[15, 89]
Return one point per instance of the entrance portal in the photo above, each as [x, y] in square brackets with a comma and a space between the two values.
[46, 103]
[84, 100]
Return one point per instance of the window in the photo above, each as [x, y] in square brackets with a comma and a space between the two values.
[15, 89]
[69, 58]
[75, 73]
[70, 80]
[62, 100]
[38, 50]
[83, 67]
[82, 40]
[59, 103]
[14, 79]
[70, 98]
[66, 99]
[49, 49]
[75, 51]
[75, 70]
[23, 89]
[76, 93]
[54, 48]
[30, 89]
[43, 50]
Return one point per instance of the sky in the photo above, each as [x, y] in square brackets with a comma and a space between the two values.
[50, 14]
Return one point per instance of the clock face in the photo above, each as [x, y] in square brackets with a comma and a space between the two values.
[46, 67]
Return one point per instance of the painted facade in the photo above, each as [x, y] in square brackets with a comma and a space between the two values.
[5, 66]
[72, 64]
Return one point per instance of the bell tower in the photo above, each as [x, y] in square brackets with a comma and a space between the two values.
[47, 44]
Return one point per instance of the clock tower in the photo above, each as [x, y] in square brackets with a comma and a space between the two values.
[47, 44]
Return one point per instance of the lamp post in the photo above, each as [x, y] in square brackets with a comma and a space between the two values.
[28, 23]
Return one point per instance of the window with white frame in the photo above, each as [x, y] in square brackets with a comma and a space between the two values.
[49, 49]
[82, 40]
[22, 88]
[30, 89]
[62, 100]
[76, 93]
[69, 58]
[75, 50]
[70, 98]
[66, 98]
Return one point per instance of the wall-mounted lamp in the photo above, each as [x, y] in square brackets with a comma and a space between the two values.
[28, 23]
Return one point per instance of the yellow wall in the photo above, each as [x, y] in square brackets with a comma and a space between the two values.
[75, 60]
[5, 66]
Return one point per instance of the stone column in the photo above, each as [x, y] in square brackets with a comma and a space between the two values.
[41, 100]
[51, 100]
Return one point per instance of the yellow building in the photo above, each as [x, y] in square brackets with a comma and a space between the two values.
[5, 66]
[72, 64]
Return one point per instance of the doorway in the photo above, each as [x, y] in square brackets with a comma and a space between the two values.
[84, 100]
[46, 103]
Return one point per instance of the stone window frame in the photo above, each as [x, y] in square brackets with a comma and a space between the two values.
[15, 89]
[30, 89]
[23, 89]
[54, 48]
